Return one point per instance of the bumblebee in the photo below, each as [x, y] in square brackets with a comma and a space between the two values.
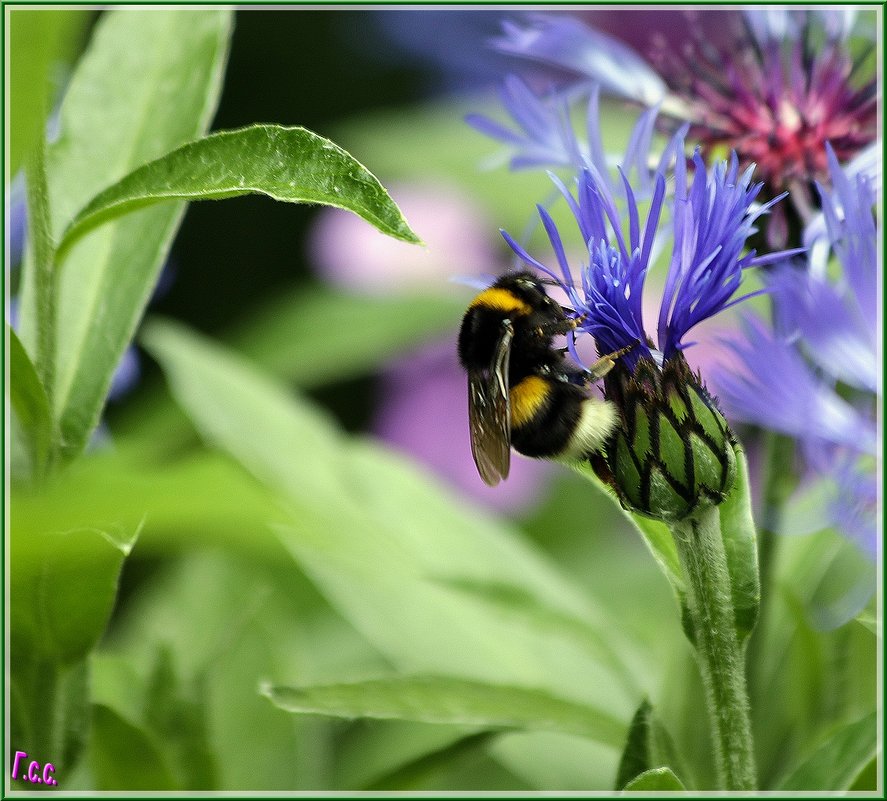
[522, 391]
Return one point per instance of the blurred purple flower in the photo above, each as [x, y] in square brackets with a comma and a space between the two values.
[782, 85]
[546, 131]
[423, 406]
[450, 40]
[815, 375]
[547, 137]
[17, 221]
[563, 41]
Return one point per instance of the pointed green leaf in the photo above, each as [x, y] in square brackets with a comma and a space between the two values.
[148, 82]
[636, 757]
[440, 699]
[655, 779]
[836, 763]
[29, 408]
[647, 747]
[64, 584]
[293, 165]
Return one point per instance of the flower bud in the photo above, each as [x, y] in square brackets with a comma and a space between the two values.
[673, 451]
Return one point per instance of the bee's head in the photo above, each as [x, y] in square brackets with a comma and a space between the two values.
[529, 288]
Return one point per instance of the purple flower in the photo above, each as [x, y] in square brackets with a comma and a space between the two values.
[546, 132]
[815, 376]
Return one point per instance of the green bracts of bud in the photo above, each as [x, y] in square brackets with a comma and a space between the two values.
[673, 452]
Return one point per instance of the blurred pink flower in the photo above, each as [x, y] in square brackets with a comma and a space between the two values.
[459, 240]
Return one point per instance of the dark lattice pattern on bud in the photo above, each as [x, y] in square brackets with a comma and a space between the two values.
[674, 450]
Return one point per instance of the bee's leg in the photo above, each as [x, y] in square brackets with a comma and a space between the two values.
[606, 363]
[562, 326]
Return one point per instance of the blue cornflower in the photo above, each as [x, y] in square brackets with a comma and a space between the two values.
[818, 380]
[710, 221]
[673, 450]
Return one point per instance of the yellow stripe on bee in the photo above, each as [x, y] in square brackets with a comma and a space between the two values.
[502, 300]
[527, 398]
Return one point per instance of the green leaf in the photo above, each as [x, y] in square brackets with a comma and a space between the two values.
[64, 584]
[119, 490]
[836, 763]
[385, 544]
[176, 713]
[549, 760]
[447, 763]
[39, 41]
[246, 618]
[655, 780]
[390, 753]
[439, 699]
[124, 757]
[30, 408]
[847, 583]
[201, 374]
[148, 82]
[648, 745]
[867, 778]
[293, 165]
[740, 542]
[867, 619]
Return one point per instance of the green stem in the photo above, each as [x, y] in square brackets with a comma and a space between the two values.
[720, 657]
[44, 269]
[778, 481]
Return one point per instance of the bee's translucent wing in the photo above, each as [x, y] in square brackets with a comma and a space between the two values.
[489, 413]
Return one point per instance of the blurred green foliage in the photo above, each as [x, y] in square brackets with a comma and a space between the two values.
[233, 538]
